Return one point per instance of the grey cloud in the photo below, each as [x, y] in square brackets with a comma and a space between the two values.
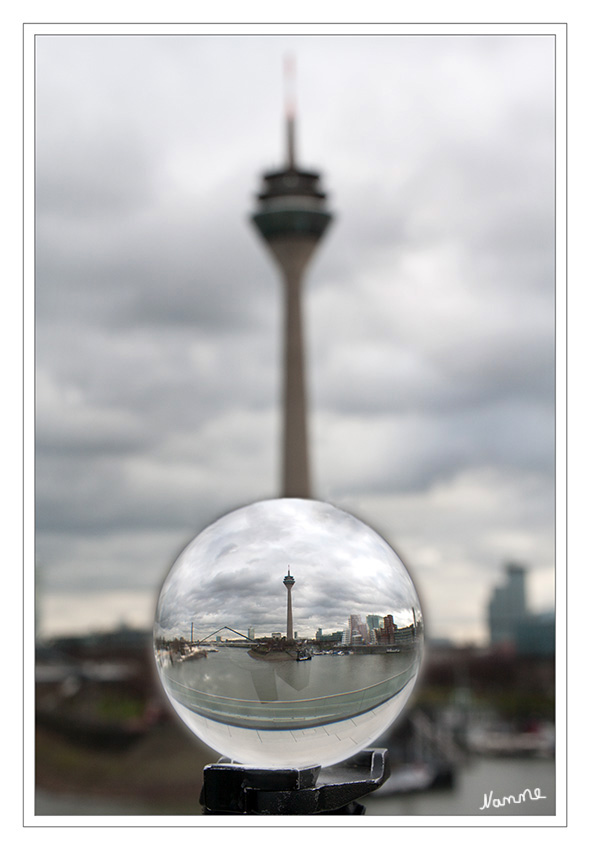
[97, 177]
[429, 307]
[333, 557]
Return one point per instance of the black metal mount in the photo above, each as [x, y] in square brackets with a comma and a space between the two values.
[237, 789]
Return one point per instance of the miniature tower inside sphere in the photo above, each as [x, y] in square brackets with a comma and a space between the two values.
[289, 581]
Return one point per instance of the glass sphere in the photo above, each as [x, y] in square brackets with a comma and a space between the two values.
[288, 634]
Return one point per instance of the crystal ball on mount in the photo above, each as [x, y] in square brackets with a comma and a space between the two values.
[287, 634]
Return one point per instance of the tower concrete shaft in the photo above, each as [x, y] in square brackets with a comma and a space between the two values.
[292, 256]
[291, 218]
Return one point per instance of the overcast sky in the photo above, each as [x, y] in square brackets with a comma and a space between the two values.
[232, 574]
[429, 307]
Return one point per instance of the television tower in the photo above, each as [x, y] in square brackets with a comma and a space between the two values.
[289, 581]
[291, 218]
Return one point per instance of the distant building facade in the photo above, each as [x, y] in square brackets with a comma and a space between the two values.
[387, 634]
[331, 638]
[510, 623]
[374, 624]
[507, 607]
[535, 635]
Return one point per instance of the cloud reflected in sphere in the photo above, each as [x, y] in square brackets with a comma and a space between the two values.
[288, 633]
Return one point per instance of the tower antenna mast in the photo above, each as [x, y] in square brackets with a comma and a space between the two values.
[290, 109]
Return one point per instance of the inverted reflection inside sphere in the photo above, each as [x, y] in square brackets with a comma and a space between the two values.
[288, 633]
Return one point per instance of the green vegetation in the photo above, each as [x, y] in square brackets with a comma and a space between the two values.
[111, 707]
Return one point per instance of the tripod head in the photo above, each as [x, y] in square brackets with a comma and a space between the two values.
[236, 789]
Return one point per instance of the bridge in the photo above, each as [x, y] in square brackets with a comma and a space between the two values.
[247, 640]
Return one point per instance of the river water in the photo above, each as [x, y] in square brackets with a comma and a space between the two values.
[474, 782]
[275, 711]
[239, 687]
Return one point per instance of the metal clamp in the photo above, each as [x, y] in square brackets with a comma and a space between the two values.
[236, 789]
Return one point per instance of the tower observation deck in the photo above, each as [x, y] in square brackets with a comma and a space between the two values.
[292, 217]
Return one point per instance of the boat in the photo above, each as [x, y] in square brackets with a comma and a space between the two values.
[194, 654]
[304, 654]
[417, 776]
[280, 650]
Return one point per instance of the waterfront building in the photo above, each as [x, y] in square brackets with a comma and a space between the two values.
[374, 624]
[405, 635]
[332, 638]
[387, 634]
